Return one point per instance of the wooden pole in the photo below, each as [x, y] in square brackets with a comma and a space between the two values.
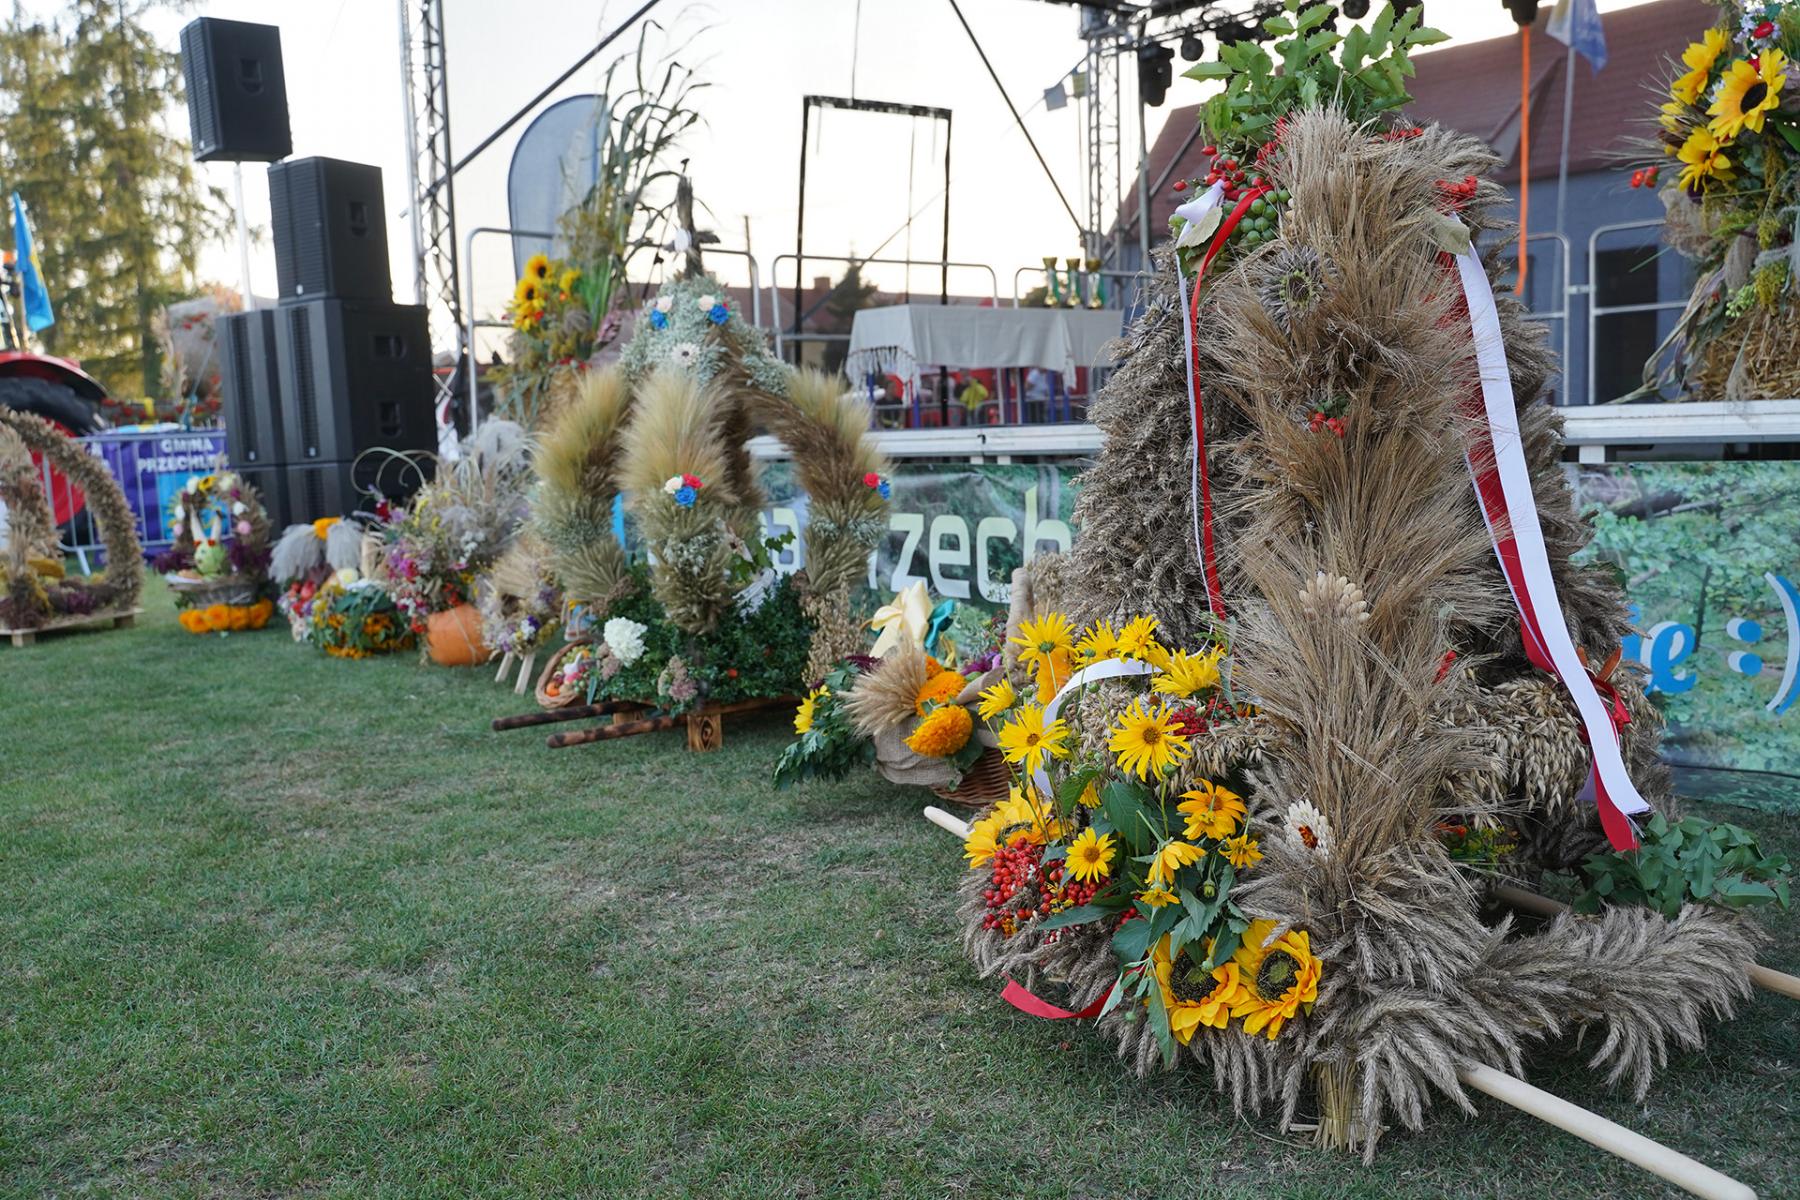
[1767, 978]
[574, 712]
[525, 674]
[1680, 1170]
[505, 666]
[606, 733]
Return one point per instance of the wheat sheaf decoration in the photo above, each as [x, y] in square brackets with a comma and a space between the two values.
[36, 591]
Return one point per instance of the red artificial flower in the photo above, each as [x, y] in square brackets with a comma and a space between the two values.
[1317, 422]
[1444, 665]
[871, 479]
[1763, 30]
[692, 481]
[1336, 426]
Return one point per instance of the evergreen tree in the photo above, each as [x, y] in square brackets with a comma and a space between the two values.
[848, 296]
[87, 105]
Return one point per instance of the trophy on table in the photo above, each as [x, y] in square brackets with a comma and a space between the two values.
[1073, 299]
[1096, 284]
[1052, 282]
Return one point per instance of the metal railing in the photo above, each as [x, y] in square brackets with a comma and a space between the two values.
[139, 462]
[1597, 310]
[1563, 288]
[781, 337]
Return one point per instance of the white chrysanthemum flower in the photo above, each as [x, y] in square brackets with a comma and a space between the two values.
[625, 638]
[1308, 828]
[683, 353]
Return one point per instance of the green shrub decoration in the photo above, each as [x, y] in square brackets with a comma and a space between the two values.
[1686, 862]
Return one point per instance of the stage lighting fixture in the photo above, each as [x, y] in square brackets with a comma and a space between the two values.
[1524, 12]
[1155, 73]
[1402, 7]
[1192, 48]
[1356, 10]
[1233, 32]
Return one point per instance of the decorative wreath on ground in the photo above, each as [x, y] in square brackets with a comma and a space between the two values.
[666, 427]
[36, 591]
[218, 565]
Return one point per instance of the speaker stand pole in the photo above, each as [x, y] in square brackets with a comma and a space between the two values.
[243, 233]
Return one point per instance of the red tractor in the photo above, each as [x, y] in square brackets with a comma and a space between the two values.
[50, 387]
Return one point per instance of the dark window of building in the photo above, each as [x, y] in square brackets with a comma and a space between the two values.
[1639, 292]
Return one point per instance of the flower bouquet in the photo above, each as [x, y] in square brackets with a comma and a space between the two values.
[305, 558]
[354, 617]
[1729, 140]
[218, 565]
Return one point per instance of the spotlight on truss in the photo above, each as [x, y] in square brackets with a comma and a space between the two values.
[1192, 48]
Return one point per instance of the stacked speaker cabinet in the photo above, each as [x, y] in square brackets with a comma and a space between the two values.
[330, 230]
[355, 376]
[236, 92]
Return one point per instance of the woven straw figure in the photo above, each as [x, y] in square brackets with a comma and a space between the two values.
[1376, 635]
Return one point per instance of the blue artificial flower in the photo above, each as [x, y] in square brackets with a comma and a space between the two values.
[684, 496]
[719, 314]
[886, 489]
[659, 319]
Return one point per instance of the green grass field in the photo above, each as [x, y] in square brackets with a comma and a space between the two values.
[277, 925]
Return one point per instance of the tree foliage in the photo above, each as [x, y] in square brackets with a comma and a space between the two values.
[88, 107]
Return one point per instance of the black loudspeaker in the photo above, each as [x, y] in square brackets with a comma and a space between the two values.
[236, 92]
[252, 387]
[343, 488]
[271, 483]
[330, 230]
[355, 376]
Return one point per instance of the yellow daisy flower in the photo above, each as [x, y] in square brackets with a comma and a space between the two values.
[1211, 811]
[997, 699]
[1699, 59]
[1138, 636]
[1241, 851]
[1090, 855]
[1171, 858]
[1185, 675]
[1025, 815]
[1041, 638]
[1746, 93]
[1098, 643]
[1705, 157]
[809, 709]
[943, 732]
[1029, 740]
[982, 841]
[1053, 671]
[1146, 741]
[1158, 897]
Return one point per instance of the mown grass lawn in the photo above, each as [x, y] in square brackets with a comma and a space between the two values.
[276, 925]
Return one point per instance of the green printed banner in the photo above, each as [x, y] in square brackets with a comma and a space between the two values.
[1709, 554]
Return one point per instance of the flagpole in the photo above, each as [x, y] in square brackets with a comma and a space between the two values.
[1568, 117]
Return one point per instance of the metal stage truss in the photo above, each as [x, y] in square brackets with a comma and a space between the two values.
[429, 176]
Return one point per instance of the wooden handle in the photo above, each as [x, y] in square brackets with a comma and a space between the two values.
[574, 712]
[1767, 978]
[1680, 1170]
[606, 733]
[945, 821]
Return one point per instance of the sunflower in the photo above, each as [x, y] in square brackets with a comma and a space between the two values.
[1674, 119]
[568, 280]
[1024, 817]
[537, 267]
[1699, 59]
[527, 294]
[1090, 855]
[1027, 739]
[1278, 979]
[997, 699]
[1098, 643]
[943, 732]
[1190, 998]
[1241, 851]
[1040, 639]
[1746, 93]
[1705, 158]
[1212, 811]
[940, 688]
[1171, 858]
[1147, 741]
[1184, 675]
[809, 710]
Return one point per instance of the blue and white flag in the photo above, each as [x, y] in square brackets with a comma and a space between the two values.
[1576, 23]
[32, 292]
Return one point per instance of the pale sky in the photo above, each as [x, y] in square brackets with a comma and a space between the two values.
[761, 57]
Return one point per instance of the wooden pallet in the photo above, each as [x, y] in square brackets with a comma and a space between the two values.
[705, 726]
[25, 637]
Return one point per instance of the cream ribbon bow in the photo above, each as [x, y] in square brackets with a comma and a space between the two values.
[905, 620]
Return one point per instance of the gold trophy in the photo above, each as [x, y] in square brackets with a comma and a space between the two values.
[1073, 299]
[1052, 284]
[1096, 285]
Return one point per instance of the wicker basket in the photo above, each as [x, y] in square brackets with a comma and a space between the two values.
[985, 782]
[202, 592]
[552, 671]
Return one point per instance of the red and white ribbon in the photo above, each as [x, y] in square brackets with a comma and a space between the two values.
[1503, 482]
